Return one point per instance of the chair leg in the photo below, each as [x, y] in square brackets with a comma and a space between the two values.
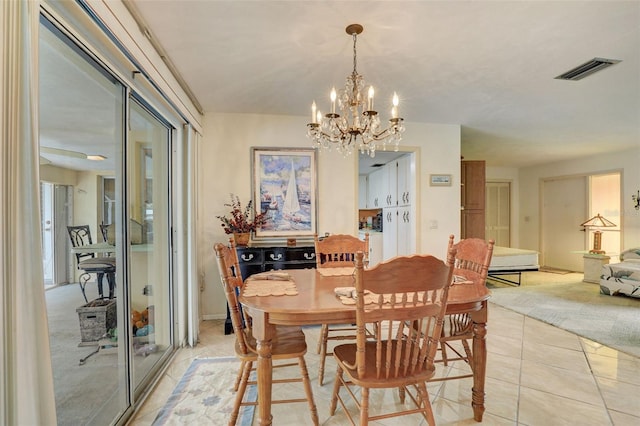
[321, 337]
[245, 370]
[324, 335]
[239, 377]
[82, 281]
[111, 280]
[99, 277]
[364, 407]
[467, 350]
[307, 389]
[426, 404]
[443, 350]
[336, 389]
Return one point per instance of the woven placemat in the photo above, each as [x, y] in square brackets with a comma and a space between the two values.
[334, 272]
[270, 284]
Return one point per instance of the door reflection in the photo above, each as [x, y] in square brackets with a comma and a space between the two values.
[149, 231]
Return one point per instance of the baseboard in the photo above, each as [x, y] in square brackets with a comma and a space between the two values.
[214, 317]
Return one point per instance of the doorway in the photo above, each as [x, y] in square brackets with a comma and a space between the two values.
[566, 203]
[55, 204]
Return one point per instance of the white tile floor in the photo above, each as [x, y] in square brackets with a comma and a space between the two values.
[537, 374]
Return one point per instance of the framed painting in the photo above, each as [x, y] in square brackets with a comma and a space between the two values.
[285, 189]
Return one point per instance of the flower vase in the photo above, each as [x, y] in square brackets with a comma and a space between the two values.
[242, 238]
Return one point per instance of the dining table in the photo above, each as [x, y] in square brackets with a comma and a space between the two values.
[314, 302]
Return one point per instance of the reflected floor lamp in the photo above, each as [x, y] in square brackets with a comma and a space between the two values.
[596, 223]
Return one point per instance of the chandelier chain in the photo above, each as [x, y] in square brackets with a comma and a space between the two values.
[355, 39]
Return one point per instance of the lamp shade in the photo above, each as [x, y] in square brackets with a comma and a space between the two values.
[598, 222]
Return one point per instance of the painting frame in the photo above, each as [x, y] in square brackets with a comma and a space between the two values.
[440, 180]
[287, 217]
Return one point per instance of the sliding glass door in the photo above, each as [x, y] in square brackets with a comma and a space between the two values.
[112, 150]
[148, 154]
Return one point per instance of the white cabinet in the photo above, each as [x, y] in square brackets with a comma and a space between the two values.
[405, 233]
[593, 264]
[390, 233]
[398, 227]
[392, 188]
[403, 181]
[390, 172]
[375, 189]
[362, 191]
[375, 247]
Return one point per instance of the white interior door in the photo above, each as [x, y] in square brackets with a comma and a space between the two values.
[61, 218]
[498, 213]
[564, 208]
[46, 203]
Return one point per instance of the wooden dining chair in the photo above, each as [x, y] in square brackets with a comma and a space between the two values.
[336, 251]
[288, 343]
[89, 263]
[470, 267]
[404, 300]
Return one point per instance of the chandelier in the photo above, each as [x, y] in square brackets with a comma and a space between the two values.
[358, 124]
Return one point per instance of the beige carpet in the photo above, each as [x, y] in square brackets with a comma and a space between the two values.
[567, 302]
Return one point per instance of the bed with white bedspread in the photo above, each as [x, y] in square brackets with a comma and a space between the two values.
[507, 261]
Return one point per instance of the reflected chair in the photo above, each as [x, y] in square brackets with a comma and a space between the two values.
[89, 263]
[288, 343]
[104, 230]
[470, 267]
[404, 300]
[336, 251]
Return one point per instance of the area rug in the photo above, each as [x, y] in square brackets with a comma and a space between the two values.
[554, 270]
[579, 308]
[204, 395]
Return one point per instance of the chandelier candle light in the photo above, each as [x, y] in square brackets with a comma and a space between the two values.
[359, 125]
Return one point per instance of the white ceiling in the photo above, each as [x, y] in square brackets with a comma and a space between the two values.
[486, 65]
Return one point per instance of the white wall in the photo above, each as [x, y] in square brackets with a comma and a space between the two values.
[225, 166]
[627, 162]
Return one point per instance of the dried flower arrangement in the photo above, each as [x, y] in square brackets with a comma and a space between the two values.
[240, 220]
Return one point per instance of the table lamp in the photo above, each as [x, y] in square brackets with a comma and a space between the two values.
[597, 222]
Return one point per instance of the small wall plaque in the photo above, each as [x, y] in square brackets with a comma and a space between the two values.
[440, 180]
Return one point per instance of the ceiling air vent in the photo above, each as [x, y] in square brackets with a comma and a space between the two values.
[588, 68]
[377, 165]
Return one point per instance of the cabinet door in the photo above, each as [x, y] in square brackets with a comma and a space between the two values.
[362, 192]
[404, 181]
[390, 184]
[473, 188]
[375, 249]
[374, 189]
[473, 224]
[405, 234]
[390, 233]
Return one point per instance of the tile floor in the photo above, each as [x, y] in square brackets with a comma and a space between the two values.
[537, 374]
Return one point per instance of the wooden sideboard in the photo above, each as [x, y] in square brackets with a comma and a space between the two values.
[258, 259]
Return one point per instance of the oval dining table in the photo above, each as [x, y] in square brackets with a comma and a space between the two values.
[316, 304]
